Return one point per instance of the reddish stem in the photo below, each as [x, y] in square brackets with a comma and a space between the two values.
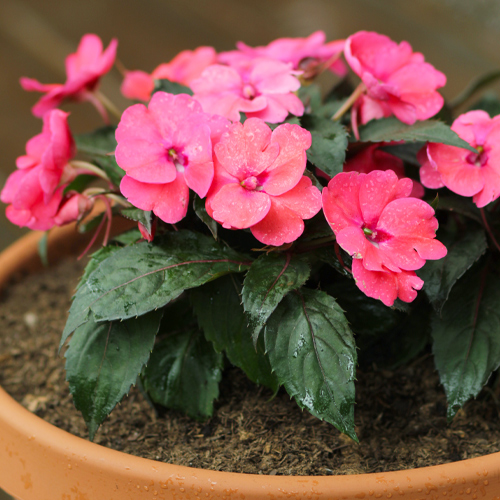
[488, 229]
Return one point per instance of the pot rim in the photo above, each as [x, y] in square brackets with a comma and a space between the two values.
[42, 462]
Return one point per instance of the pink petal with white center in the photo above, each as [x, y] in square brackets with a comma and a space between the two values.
[278, 107]
[145, 161]
[281, 225]
[304, 199]
[245, 149]
[236, 207]
[408, 283]
[377, 189]
[168, 201]
[408, 217]
[370, 51]
[217, 79]
[403, 111]
[169, 111]
[273, 77]
[137, 123]
[341, 201]
[376, 284]
[473, 126]
[229, 104]
[457, 173]
[491, 189]
[137, 85]
[287, 169]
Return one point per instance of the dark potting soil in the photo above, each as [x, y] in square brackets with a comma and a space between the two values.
[400, 414]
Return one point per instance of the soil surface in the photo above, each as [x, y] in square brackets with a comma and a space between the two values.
[400, 414]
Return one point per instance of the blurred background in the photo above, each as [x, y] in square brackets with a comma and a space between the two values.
[459, 37]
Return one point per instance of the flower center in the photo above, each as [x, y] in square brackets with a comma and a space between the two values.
[177, 158]
[248, 91]
[478, 159]
[371, 236]
[250, 183]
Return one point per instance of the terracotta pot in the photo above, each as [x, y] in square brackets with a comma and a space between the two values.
[41, 462]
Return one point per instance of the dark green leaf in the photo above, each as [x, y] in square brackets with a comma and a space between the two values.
[129, 237]
[43, 249]
[103, 361]
[184, 374]
[268, 280]
[96, 258]
[460, 205]
[100, 146]
[142, 277]
[329, 143]
[80, 183]
[312, 350]
[391, 129]
[310, 95]
[144, 217]
[407, 152]
[201, 212]
[293, 120]
[220, 314]
[489, 103]
[474, 86]
[440, 275]
[170, 87]
[467, 336]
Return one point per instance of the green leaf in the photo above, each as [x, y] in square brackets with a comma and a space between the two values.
[391, 129]
[96, 258]
[100, 146]
[104, 360]
[80, 183]
[312, 350]
[440, 275]
[489, 103]
[201, 212]
[164, 85]
[129, 237]
[268, 280]
[474, 86]
[139, 278]
[220, 314]
[43, 249]
[329, 143]
[407, 152]
[145, 217]
[467, 337]
[184, 374]
[460, 205]
[310, 95]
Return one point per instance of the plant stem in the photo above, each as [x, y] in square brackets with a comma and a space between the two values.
[350, 101]
[108, 104]
[488, 229]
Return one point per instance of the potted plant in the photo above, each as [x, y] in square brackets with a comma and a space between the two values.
[286, 219]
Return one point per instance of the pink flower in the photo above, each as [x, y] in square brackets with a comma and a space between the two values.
[373, 158]
[398, 81]
[165, 149]
[262, 89]
[73, 207]
[388, 234]
[33, 191]
[259, 182]
[460, 170]
[51, 150]
[303, 53]
[83, 70]
[183, 68]
[29, 206]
